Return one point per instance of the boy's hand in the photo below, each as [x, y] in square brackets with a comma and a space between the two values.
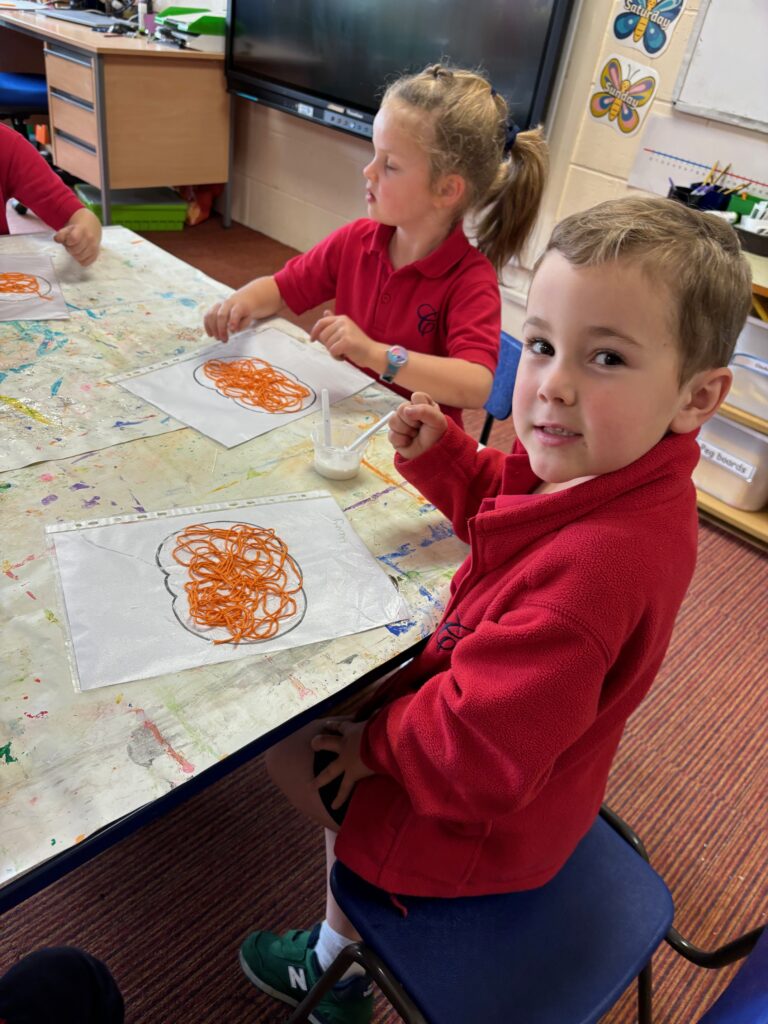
[343, 738]
[228, 317]
[416, 426]
[81, 237]
[343, 338]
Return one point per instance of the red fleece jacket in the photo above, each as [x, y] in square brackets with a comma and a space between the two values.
[492, 749]
[24, 175]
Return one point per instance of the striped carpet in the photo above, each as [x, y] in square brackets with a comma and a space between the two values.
[168, 907]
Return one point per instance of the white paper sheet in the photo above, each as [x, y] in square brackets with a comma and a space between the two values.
[29, 289]
[181, 387]
[123, 593]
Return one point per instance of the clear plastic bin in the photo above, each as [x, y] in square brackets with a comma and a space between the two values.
[734, 464]
[749, 391]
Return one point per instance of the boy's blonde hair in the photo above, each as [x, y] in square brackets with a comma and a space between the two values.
[471, 136]
[695, 256]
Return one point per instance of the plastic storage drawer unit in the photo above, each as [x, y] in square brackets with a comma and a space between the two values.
[733, 465]
[749, 391]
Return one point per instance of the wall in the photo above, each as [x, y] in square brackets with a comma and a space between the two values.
[296, 181]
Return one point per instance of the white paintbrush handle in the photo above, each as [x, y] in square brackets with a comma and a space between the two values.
[370, 431]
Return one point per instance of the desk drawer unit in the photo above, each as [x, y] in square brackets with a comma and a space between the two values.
[74, 111]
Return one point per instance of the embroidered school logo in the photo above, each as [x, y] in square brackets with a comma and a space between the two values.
[620, 97]
[427, 318]
[648, 23]
[449, 634]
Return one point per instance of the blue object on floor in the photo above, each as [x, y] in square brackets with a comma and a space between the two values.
[745, 1001]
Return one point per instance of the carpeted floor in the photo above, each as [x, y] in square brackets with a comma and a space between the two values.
[167, 907]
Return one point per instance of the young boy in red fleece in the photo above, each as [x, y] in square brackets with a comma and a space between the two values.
[479, 766]
[24, 175]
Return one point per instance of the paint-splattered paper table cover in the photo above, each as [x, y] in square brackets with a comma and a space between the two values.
[134, 306]
[72, 762]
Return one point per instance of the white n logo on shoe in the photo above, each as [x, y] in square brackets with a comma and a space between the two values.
[297, 978]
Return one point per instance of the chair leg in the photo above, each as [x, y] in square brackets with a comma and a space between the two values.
[645, 995]
[376, 970]
[485, 433]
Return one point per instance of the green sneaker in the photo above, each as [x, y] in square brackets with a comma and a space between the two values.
[286, 967]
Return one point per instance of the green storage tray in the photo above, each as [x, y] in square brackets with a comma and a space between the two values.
[143, 209]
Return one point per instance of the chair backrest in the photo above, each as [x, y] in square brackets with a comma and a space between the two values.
[22, 93]
[499, 404]
[745, 1001]
[559, 954]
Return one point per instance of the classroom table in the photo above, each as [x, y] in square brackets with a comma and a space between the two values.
[79, 770]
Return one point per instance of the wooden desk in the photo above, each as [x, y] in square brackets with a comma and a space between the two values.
[125, 113]
[72, 764]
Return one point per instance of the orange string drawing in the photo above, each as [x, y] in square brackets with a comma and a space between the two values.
[256, 383]
[13, 283]
[241, 579]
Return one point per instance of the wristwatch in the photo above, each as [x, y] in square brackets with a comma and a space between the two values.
[397, 357]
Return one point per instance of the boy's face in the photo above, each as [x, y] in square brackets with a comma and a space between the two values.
[597, 386]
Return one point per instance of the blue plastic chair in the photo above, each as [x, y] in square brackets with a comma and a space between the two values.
[559, 954]
[745, 1001]
[22, 96]
[499, 404]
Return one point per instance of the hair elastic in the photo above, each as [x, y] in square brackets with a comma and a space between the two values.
[512, 131]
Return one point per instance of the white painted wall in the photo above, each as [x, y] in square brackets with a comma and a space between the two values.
[296, 181]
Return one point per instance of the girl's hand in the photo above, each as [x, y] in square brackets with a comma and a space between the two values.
[416, 426]
[343, 738]
[256, 300]
[228, 317]
[343, 338]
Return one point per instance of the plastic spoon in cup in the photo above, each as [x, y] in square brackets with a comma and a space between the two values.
[370, 432]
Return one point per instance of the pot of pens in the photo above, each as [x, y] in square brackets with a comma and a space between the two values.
[339, 450]
[712, 193]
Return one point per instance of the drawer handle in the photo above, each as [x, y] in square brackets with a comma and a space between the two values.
[66, 137]
[68, 55]
[72, 100]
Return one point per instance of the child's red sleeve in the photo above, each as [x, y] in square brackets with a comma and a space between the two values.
[31, 180]
[482, 738]
[455, 476]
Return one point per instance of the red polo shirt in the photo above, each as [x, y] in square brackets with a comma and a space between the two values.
[24, 175]
[447, 304]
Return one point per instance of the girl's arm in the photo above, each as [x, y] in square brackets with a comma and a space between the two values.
[455, 382]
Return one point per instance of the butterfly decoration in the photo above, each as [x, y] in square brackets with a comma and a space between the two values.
[620, 97]
[648, 22]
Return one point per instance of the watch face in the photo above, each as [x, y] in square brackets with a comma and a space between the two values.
[397, 355]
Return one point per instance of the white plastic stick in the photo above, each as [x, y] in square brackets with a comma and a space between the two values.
[325, 401]
[370, 431]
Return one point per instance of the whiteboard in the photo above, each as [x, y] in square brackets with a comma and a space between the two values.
[724, 74]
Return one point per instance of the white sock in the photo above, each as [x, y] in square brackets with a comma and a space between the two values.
[329, 944]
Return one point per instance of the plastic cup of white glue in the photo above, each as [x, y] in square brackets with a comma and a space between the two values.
[333, 461]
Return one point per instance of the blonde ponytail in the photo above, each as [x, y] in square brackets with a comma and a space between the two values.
[511, 205]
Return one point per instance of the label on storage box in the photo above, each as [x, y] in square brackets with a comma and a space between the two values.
[750, 363]
[730, 462]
